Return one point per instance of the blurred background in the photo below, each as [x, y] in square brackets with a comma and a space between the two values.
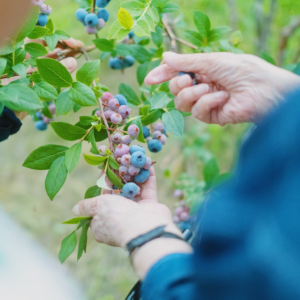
[104, 272]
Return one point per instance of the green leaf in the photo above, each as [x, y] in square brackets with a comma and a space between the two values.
[152, 117]
[159, 100]
[157, 36]
[210, 171]
[73, 156]
[88, 72]
[45, 91]
[100, 136]
[153, 13]
[122, 33]
[173, 122]
[85, 4]
[3, 63]
[82, 95]
[144, 110]
[218, 33]
[125, 18]
[83, 240]
[38, 32]
[62, 35]
[27, 26]
[129, 94]
[113, 163]
[35, 49]
[68, 245]
[160, 3]
[114, 29]
[202, 23]
[150, 22]
[138, 123]
[141, 28]
[236, 37]
[113, 178]
[54, 72]
[20, 55]
[140, 54]
[86, 120]
[67, 131]
[170, 8]
[92, 192]
[20, 69]
[56, 177]
[1, 108]
[52, 41]
[123, 49]
[50, 26]
[268, 58]
[63, 103]
[94, 160]
[43, 157]
[194, 37]
[133, 5]
[46, 111]
[76, 220]
[142, 72]
[104, 45]
[10, 47]
[19, 97]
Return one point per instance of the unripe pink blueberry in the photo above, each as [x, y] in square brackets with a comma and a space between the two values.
[117, 138]
[38, 2]
[52, 108]
[98, 113]
[116, 118]
[127, 177]
[126, 40]
[184, 216]
[157, 134]
[163, 139]
[133, 170]
[122, 150]
[102, 150]
[90, 30]
[186, 209]
[113, 104]
[123, 170]
[124, 111]
[159, 127]
[125, 160]
[101, 24]
[107, 96]
[46, 9]
[108, 114]
[176, 219]
[148, 163]
[149, 138]
[126, 140]
[47, 120]
[182, 203]
[178, 210]
[133, 131]
[178, 194]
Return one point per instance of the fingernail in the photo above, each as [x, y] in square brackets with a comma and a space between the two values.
[76, 210]
[201, 89]
[183, 81]
[221, 95]
[168, 54]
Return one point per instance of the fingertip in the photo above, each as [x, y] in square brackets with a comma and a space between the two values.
[76, 210]
[70, 63]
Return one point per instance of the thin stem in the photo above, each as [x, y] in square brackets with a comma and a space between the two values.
[94, 6]
[144, 12]
[88, 131]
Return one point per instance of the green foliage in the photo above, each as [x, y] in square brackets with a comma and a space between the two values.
[92, 192]
[68, 245]
[173, 122]
[72, 156]
[82, 95]
[67, 131]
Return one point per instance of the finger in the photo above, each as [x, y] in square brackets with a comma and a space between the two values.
[187, 97]
[70, 63]
[203, 108]
[149, 188]
[87, 208]
[160, 74]
[72, 43]
[180, 82]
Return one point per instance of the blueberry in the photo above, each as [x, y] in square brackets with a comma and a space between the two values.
[46, 9]
[184, 216]
[133, 131]
[39, 115]
[127, 177]
[132, 170]
[40, 125]
[154, 146]
[126, 140]
[90, 30]
[135, 148]
[108, 96]
[52, 108]
[126, 40]
[146, 132]
[81, 14]
[42, 20]
[142, 176]
[131, 34]
[125, 160]
[149, 138]
[124, 111]
[123, 170]
[122, 100]
[102, 3]
[163, 139]
[117, 138]
[178, 210]
[159, 127]
[115, 63]
[37, 2]
[91, 20]
[108, 114]
[191, 74]
[102, 150]
[103, 14]
[148, 163]
[128, 61]
[184, 225]
[122, 150]
[98, 113]
[130, 190]
[138, 159]
[113, 104]
[101, 24]
[47, 120]
[177, 194]
[157, 134]
[116, 118]
[176, 219]
[164, 131]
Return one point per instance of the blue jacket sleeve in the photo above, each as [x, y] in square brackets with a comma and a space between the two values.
[248, 242]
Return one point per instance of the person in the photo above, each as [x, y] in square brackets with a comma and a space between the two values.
[247, 243]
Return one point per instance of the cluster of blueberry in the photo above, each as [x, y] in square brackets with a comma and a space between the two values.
[158, 138]
[46, 11]
[94, 21]
[43, 122]
[182, 212]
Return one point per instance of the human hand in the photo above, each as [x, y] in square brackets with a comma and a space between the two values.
[233, 88]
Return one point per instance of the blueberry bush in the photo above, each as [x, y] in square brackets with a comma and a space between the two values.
[43, 87]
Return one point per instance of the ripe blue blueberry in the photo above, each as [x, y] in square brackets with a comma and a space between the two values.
[128, 61]
[42, 20]
[135, 148]
[131, 34]
[114, 63]
[130, 190]
[81, 14]
[122, 100]
[102, 3]
[142, 176]
[40, 125]
[154, 146]
[39, 115]
[138, 159]
[191, 74]
[91, 20]
[103, 14]
[146, 132]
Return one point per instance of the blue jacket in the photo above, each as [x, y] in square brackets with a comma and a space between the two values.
[248, 242]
